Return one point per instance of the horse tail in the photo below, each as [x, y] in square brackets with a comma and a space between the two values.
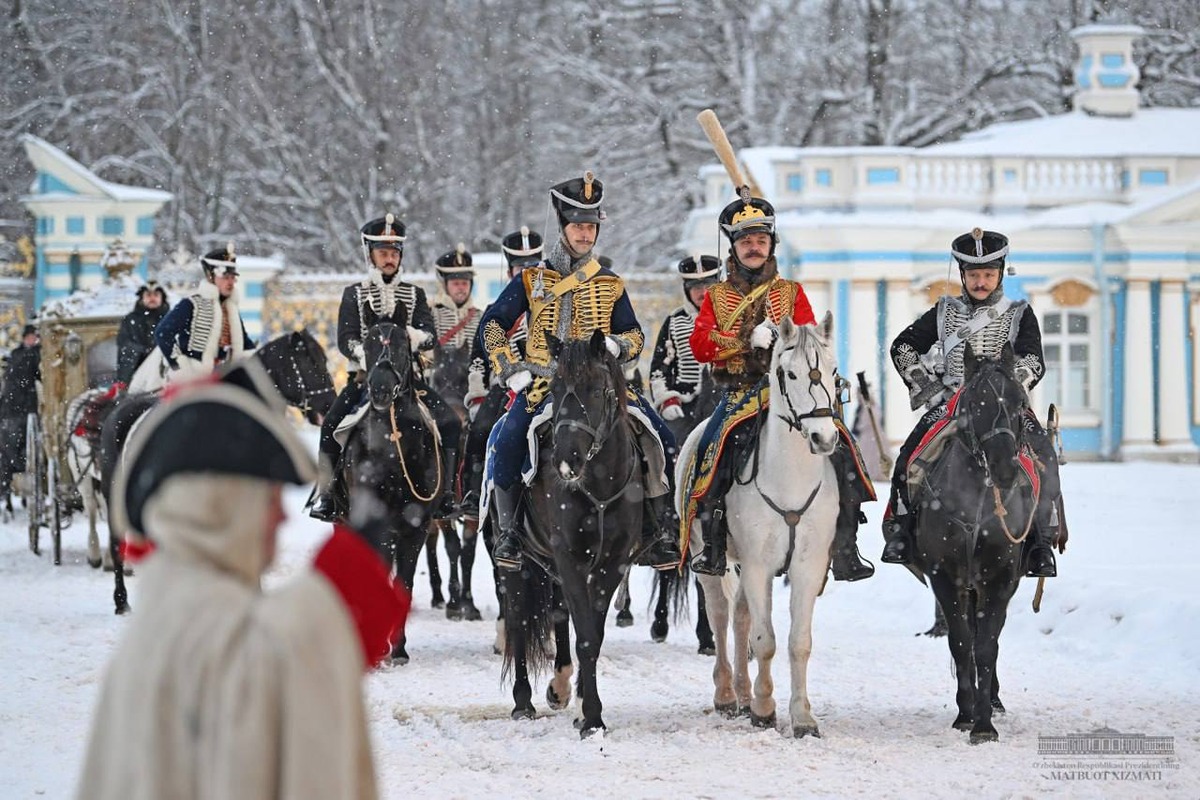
[674, 585]
[528, 619]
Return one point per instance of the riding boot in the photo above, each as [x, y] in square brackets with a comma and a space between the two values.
[506, 551]
[447, 508]
[660, 541]
[323, 506]
[897, 531]
[847, 563]
[711, 560]
[1040, 560]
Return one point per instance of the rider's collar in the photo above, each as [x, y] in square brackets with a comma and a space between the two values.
[990, 300]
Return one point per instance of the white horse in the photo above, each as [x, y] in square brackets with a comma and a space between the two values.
[84, 464]
[781, 514]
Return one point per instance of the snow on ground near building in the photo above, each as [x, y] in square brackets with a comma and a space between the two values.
[1115, 645]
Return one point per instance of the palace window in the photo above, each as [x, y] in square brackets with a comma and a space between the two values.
[1068, 350]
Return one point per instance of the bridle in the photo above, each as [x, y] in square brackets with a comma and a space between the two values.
[306, 394]
[792, 418]
[598, 433]
[385, 361]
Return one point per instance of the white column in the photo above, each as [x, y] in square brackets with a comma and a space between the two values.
[1174, 432]
[898, 417]
[1138, 436]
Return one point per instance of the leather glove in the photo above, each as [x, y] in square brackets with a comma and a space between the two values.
[519, 380]
[672, 411]
[763, 335]
[613, 346]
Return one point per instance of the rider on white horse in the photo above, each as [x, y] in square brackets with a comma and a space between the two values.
[929, 357]
[675, 374]
[735, 331]
[570, 296]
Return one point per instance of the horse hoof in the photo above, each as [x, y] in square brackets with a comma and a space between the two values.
[707, 649]
[96, 564]
[762, 722]
[963, 723]
[554, 701]
[727, 710]
[524, 713]
[659, 631]
[800, 731]
[454, 611]
[998, 707]
[936, 632]
[123, 609]
[624, 619]
[108, 567]
[438, 601]
[587, 729]
[987, 735]
[471, 613]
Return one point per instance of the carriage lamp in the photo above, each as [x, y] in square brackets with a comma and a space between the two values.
[73, 348]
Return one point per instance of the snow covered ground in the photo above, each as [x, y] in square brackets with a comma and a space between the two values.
[1115, 645]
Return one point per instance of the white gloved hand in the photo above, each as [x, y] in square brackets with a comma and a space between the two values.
[1024, 376]
[672, 412]
[419, 339]
[763, 336]
[613, 346]
[519, 380]
[356, 352]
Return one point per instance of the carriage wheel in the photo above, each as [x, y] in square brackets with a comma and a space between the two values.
[55, 511]
[33, 476]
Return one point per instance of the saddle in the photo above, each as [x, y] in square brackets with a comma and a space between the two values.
[94, 411]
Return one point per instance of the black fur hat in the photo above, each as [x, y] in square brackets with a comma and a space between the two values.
[741, 217]
[231, 425]
[455, 264]
[222, 261]
[978, 249]
[699, 268]
[522, 248]
[385, 233]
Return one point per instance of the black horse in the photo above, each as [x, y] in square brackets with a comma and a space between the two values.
[974, 508]
[670, 588]
[297, 366]
[583, 526]
[448, 377]
[394, 454]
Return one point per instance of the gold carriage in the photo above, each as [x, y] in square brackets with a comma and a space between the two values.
[79, 352]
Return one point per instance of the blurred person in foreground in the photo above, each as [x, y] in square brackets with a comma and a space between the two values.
[218, 689]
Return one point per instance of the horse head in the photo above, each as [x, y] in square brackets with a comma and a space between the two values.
[989, 413]
[449, 373]
[589, 402]
[297, 366]
[803, 386]
[388, 360]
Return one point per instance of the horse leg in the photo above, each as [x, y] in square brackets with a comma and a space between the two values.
[558, 691]
[589, 638]
[516, 601]
[955, 604]
[991, 613]
[997, 706]
[120, 595]
[756, 588]
[95, 558]
[704, 634]
[662, 625]
[453, 554]
[407, 541]
[807, 580]
[939, 621]
[624, 615]
[435, 573]
[741, 651]
[470, 536]
[725, 702]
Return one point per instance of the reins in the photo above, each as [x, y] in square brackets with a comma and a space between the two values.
[395, 439]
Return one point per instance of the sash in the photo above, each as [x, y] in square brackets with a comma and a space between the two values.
[975, 325]
[740, 309]
[567, 284]
[462, 323]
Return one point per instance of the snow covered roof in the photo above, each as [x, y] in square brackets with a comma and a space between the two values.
[1149, 132]
[50, 159]
[113, 298]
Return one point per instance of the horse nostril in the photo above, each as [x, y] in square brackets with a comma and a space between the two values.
[565, 471]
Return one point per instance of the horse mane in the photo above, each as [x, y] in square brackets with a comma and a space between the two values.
[576, 363]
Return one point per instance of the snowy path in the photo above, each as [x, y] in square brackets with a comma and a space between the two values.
[1116, 645]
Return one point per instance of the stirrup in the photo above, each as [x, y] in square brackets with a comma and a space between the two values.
[323, 508]
[703, 565]
[507, 552]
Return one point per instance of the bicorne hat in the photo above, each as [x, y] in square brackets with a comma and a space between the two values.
[233, 424]
[455, 264]
[578, 200]
[222, 261]
[751, 215]
[385, 233]
[522, 248]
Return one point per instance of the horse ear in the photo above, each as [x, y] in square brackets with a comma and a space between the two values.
[554, 345]
[827, 326]
[596, 343]
[787, 328]
[970, 361]
[1008, 358]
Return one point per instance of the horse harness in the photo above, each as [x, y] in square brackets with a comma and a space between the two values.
[306, 394]
[403, 385]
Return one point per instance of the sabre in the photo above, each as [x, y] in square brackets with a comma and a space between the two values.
[885, 460]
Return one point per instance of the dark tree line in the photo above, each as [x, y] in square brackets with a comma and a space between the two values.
[286, 123]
